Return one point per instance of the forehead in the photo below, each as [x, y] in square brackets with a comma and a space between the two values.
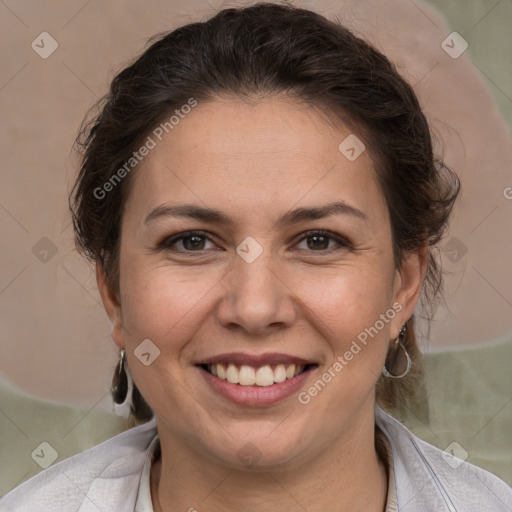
[267, 155]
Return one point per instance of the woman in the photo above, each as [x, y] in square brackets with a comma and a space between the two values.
[260, 198]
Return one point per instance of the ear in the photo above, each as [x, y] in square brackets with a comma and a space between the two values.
[111, 304]
[408, 285]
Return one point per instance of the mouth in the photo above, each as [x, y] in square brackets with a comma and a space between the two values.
[263, 376]
[255, 380]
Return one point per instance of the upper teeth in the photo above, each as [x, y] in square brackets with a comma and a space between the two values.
[249, 376]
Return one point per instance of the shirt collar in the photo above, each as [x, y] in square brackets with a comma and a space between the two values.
[144, 502]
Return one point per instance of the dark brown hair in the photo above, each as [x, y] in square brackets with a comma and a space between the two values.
[260, 51]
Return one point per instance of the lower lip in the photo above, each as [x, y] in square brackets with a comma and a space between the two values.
[255, 395]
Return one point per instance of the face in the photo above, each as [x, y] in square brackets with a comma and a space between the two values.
[254, 250]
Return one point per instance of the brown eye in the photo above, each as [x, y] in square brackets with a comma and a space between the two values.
[193, 242]
[189, 241]
[320, 241]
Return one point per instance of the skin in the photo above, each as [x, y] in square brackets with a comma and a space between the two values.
[254, 161]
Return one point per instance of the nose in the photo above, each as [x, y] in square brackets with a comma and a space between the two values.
[256, 299]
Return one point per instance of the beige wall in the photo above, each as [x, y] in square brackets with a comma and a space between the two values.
[55, 336]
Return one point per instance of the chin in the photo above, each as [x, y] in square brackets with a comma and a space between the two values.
[257, 452]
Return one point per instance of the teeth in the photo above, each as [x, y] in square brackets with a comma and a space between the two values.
[280, 373]
[264, 376]
[232, 374]
[221, 372]
[249, 376]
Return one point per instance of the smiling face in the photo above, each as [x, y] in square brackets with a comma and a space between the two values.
[250, 244]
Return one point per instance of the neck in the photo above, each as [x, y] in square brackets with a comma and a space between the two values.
[349, 476]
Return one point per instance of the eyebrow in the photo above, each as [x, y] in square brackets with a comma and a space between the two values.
[217, 217]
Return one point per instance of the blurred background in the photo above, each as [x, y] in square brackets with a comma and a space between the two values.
[57, 59]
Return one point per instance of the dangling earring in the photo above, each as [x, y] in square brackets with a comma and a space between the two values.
[398, 358]
[122, 388]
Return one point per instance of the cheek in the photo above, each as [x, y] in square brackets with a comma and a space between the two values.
[347, 300]
[352, 311]
[160, 302]
[165, 303]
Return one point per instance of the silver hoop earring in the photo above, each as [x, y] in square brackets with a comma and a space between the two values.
[395, 359]
[122, 388]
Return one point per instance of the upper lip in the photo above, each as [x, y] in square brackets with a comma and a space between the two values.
[241, 358]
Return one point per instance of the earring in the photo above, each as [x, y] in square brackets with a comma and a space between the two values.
[122, 388]
[398, 358]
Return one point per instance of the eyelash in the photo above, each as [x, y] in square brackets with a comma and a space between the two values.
[168, 242]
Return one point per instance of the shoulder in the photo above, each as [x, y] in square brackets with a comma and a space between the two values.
[102, 477]
[429, 479]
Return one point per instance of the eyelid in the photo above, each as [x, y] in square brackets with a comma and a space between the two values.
[341, 240]
[167, 242]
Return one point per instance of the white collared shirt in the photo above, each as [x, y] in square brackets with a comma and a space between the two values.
[145, 504]
[115, 477]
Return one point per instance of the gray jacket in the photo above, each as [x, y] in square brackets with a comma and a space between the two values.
[106, 477]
